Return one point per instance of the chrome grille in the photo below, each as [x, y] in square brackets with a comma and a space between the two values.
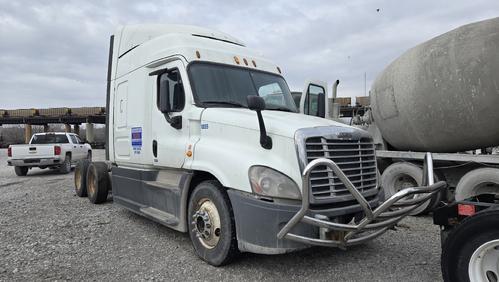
[355, 157]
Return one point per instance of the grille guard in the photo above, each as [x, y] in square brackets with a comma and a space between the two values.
[374, 223]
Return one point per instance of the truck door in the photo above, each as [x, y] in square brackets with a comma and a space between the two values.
[75, 148]
[168, 142]
[313, 100]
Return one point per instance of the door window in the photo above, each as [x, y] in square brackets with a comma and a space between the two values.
[312, 101]
[73, 139]
[174, 88]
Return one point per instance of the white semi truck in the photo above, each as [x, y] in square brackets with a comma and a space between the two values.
[204, 137]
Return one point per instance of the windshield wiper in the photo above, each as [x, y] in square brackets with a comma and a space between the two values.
[284, 109]
[232, 103]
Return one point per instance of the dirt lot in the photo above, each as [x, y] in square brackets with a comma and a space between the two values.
[48, 233]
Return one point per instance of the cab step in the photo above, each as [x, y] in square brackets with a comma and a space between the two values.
[160, 216]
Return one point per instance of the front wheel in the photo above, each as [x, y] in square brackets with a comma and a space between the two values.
[471, 251]
[211, 224]
[21, 170]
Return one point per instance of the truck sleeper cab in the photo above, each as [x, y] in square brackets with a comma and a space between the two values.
[204, 137]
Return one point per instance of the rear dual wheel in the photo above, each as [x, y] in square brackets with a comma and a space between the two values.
[81, 178]
[92, 179]
[98, 182]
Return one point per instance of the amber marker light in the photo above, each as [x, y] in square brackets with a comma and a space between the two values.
[236, 59]
[245, 61]
[254, 64]
[198, 54]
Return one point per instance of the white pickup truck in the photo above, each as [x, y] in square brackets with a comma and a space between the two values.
[52, 150]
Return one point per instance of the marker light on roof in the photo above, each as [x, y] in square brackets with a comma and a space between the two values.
[245, 61]
[254, 64]
[279, 69]
[236, 59]
[198, 54]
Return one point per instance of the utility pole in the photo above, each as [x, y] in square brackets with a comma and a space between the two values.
[365, 83]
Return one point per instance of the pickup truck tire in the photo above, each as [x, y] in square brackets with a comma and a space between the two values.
[401, 175]
[211, 224]
[477, 181]
[475, 237]
[21, 170]
[81, 178]
[66, 165]
[98, 182]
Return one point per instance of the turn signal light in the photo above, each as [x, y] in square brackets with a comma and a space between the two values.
[9, 152]
[57, 150]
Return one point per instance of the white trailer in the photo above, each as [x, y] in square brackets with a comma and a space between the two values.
[204, 137]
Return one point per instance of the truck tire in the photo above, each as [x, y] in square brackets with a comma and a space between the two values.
[471, 251]
[66, 165]
[98, 182]
[81, 178]
[211, 224]
[477, 181]
[21, 170]
[401, 175]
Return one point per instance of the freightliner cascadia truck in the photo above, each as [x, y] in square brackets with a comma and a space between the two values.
[204, 137]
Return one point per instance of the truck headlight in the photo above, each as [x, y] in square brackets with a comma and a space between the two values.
[268, 182]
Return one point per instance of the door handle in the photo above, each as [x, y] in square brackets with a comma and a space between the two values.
[155, 148]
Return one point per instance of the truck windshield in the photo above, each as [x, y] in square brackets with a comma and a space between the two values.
[49, 139]
[227, 86]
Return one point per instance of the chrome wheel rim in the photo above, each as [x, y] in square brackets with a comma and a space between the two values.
[206, 223]
[484, 263]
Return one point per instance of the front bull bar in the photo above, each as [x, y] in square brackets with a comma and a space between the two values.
[374, 223]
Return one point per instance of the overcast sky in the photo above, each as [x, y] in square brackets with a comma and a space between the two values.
[54, 53]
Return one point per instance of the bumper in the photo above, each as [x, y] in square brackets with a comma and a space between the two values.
[259, 221]
[35, 162]
[271, 228]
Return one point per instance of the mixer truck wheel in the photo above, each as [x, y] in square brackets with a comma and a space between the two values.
[399, 176]
[471, 251]
[478, 181]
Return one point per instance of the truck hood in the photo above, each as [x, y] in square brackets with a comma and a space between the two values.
[276, 122]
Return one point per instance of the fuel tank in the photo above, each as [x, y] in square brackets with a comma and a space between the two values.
[442, 95]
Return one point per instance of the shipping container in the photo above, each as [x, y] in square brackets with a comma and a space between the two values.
[22, 112]
[53, 112]
[87, 111]
[362, 100]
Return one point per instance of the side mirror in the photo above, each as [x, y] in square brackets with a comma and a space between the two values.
[321, 105]
[255, 103]
[164, 97]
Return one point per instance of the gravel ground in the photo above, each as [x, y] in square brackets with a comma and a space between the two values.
[48, 233]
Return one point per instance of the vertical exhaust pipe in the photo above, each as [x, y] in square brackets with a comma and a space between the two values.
[334, 108]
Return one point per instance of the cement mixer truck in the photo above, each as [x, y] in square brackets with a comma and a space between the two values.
[441, 97]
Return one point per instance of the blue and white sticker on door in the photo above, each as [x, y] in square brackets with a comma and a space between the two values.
[136, 140]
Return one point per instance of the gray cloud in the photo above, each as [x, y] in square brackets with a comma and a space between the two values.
[54, 53]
